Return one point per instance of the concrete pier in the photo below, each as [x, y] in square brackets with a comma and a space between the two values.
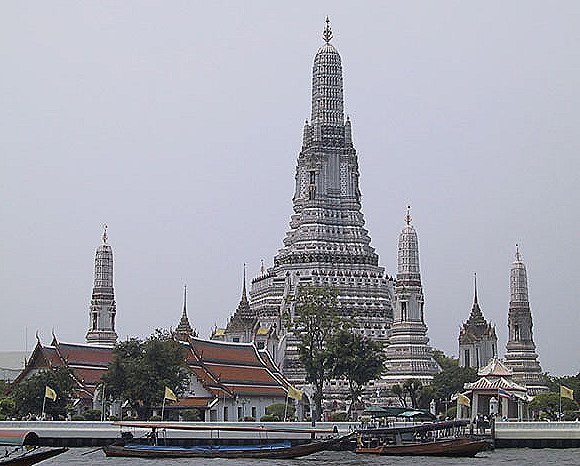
[537, 434]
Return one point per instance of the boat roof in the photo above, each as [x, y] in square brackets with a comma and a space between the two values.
[225, 427]
[427, 427]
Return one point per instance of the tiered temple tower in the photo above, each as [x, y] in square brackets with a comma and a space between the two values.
[327, 244]
[184, 330]
[408, 353]
[103, 309]
[477, 338]
[521, 354]
[242, 325]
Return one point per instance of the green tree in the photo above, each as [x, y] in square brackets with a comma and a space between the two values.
[316, 318]
[570, 381]
[400, 394]
[548, 405]
[413, 388]
[356, 358]
[7, 407]
[141, 370]
[29, 394]
[451, 378]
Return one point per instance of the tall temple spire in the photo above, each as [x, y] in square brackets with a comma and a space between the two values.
[103, 309]
[327, 243]
[184, 329]
[408, 353]
[475, 288]
[521, 354]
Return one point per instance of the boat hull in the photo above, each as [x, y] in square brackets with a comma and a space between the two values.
[32, 457]
[275, 451]
[459, 447]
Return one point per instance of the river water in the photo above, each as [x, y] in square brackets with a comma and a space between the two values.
[510, 456]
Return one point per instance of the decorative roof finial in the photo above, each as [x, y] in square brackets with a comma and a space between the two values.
[475, 288]
[244, 287]
[262, 269]
[327, 34]
[518, 257]
[408, 216]
[185, 300]
[105, 237]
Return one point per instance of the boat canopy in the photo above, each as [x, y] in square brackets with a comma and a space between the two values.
[18, 437]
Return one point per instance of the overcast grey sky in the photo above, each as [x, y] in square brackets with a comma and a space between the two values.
[179, 123]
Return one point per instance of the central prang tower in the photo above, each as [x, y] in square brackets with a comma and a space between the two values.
[327, 244]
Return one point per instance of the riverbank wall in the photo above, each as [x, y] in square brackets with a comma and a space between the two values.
[89, 434]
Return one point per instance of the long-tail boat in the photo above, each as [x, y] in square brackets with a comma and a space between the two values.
[21, 449]
[431, 439]
[264, 449]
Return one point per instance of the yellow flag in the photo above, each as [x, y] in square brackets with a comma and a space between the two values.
[169, 395]
[295, 393]
[463, 400]
[49, 393]
[566, 392]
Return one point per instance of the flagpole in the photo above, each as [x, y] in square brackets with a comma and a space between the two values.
[560, 410]
[163, 408]
[286, 405]
[43, 405]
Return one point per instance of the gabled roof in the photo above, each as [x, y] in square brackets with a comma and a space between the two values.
[224, 369]
[232, 369]
[503, 383]
[495, 368]
[87, 363]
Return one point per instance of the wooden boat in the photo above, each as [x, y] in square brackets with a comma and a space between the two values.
[18, 452]
[456, 447]
[265, 449]
[278, 450]
[432, 439]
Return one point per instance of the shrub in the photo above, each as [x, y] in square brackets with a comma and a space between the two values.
[249, 419]
[277, 409]
[269, 418]
[190, 415]
[341, 416]
[92, 415]
[77, 417]
[155, 418]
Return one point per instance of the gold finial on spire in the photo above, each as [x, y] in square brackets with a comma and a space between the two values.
[327, 34]
[408, 216]
[105, 237]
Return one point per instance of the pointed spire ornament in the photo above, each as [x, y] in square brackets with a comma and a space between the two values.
[475, 288]
[327, 34]
[408, 216]
[105, 237]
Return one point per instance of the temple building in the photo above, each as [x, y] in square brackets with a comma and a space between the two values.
[103, 310]
[409, 355]
[521, 356]
[496, 386]
[327, 244]
[477, 338]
